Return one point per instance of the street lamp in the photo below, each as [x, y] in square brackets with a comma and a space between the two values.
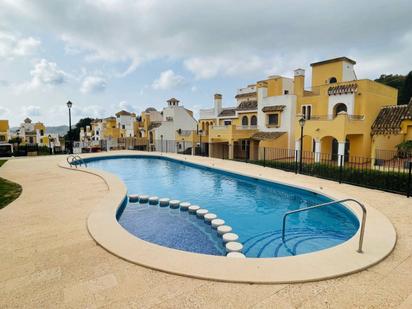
[199, 132]
[302, 124]
[50, 141]
[69, 105]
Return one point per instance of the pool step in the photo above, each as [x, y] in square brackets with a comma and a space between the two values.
[270, 244]
[229, 240]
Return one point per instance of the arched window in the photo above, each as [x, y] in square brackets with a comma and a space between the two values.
[340, 107]
[245, 121]
[151, 137]
[253, 121]
[333, 80]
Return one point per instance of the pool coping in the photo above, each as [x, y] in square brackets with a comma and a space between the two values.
[379, 240]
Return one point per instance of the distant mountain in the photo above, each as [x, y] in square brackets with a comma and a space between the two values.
[61, 130]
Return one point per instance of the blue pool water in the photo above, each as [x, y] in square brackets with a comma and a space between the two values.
[253, 208]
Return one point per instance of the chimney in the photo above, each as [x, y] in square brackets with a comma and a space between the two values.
[299, 82]
[262, 90]
[218, 104]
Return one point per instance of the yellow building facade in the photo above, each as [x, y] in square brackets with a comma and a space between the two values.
[392, 127]
[339, 109]
[4, 131]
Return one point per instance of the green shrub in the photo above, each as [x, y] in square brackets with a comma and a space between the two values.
[394, 181]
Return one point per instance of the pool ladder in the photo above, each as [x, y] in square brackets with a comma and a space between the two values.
[75, 160]
[362, 230]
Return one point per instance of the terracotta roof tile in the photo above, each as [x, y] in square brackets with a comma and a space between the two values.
[390, 118]
[247, 105]
[259, 136]
[273, 108]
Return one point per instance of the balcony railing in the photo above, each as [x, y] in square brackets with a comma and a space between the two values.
[224, 127]
[185, 132]
[251, 127]
[331, 117]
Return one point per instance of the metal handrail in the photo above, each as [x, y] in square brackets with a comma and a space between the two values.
[362, 230]
[75, 158]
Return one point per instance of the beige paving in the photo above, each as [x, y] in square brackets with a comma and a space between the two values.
[48, 259]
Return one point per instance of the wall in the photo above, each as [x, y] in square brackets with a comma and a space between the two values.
[287, 116]
[322, 73]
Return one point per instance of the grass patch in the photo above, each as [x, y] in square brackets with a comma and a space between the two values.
[9, 191]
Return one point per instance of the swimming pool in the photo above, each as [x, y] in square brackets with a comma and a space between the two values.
[254, 208]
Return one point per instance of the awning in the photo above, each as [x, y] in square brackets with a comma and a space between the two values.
[260, 136]
[273, 108]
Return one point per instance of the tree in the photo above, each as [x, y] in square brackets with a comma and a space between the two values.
[406, 92]
[396, 81]
[76, 130]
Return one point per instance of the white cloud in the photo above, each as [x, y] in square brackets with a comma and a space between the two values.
[137, 31]
[93, 84]
[208, 67]
[12, 46]
[4, 111]
[123, 105]
[47, 73]
[92, 111]
[168, 80]
[31, 110]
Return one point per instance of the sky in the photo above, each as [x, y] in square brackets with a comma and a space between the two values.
[108, 55]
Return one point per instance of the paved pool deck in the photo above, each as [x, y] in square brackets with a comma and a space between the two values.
[49, 260]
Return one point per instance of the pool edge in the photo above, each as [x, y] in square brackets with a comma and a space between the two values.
[107, 232]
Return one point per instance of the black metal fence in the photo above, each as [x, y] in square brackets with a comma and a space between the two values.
[181, 147]
[29, 150]
[392, 175]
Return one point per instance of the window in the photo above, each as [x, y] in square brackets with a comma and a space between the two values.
[2, 138]
[41, 132]
[227, 122]
[333, 80]
[123, 126]
[41, 141]
[307, 111]
[245, 121]
[253, 120]
[273, 120]
[286, 92]
[340, 107]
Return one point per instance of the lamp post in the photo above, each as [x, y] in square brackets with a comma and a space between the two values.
[69, 106]
[199, 132]
[18, 141]
[302, 124]
[50, 149]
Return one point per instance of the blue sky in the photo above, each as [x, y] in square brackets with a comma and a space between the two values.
[107, 55]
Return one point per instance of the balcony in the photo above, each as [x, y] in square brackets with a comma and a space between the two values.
[224, 133]
[332, 117]
[338, 126]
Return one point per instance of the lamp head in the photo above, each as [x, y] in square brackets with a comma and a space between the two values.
[302, 122]
[69, 104]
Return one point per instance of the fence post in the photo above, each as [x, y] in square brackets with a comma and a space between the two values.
[340, 160]
[296, 161]
[264, 156]
[408, 193]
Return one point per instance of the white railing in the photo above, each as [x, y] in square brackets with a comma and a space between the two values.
[251, 127]
[332, 117]
[224, 127]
